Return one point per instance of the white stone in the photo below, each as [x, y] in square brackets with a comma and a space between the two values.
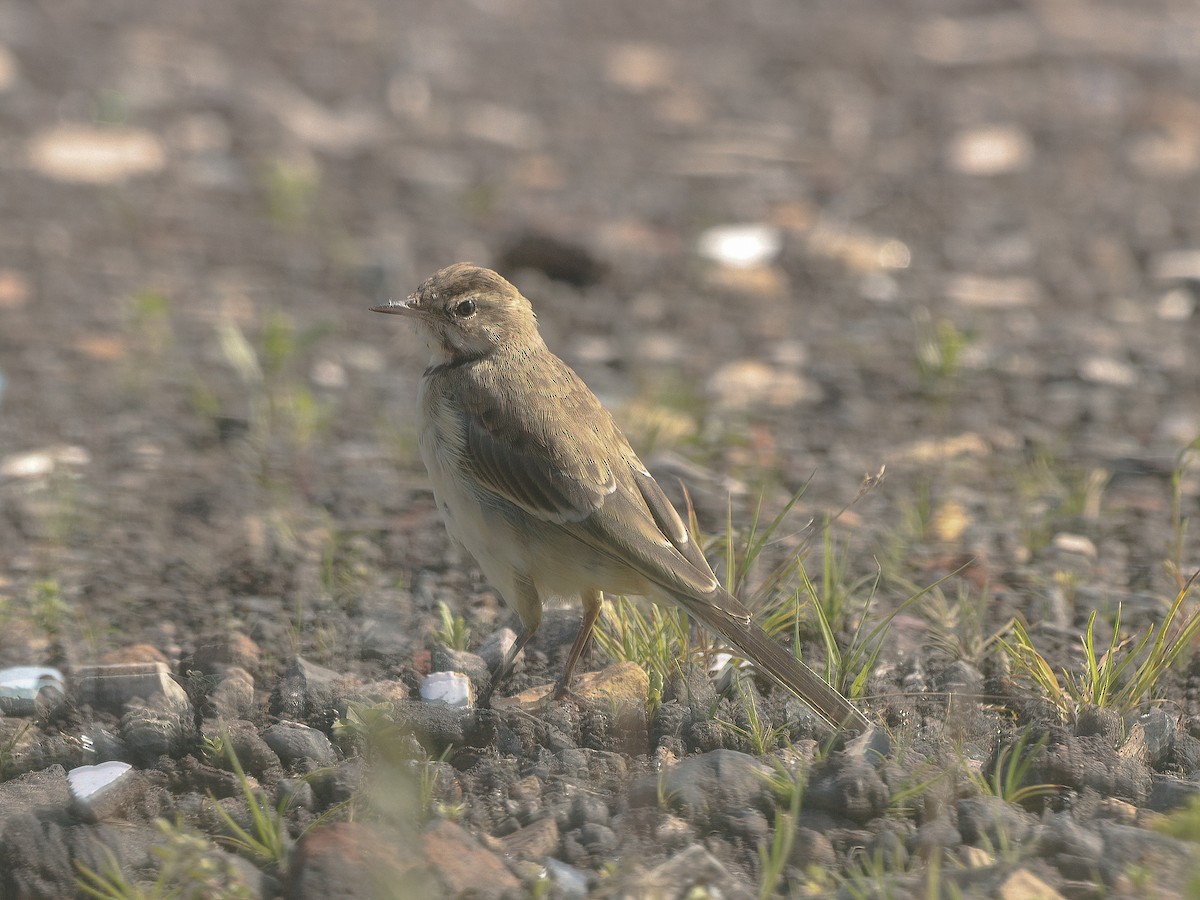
[87, 154]
[84, 782]
[36, 463]
[740, 246]
[990, 150]
[451, 688]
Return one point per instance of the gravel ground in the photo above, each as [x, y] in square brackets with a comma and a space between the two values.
[790, 246]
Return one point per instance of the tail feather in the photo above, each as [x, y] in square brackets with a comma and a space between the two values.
[772, 658]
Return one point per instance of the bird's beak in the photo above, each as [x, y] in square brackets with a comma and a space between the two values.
[406, 307]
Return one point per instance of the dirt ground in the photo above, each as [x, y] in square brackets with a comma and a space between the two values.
[973, 238]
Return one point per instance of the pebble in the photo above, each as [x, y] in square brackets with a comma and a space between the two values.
[704, 789]
[990, 150]
[116, 687]
[750, 382]
[462, 866]
[26, 689]
[992, 292]
[535, 841]
[215, 653]
[1175, 265]
[569, 882]
[105, 791]
[150, 733]
[847, 787]
[233, 696]
[303, 688]
[38, 463]
[444, 659]
[974, 40]
[858, 250]
[86, 154]
[691, 872]
[988, 821]
[294, 742]
[740, 246]
[350, 860]
[450, 688]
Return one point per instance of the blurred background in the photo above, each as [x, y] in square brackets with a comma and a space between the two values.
[787, 243]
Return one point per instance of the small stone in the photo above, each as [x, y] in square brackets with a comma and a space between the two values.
[620, 683]
[329, 374]
[216, 653]
[990, 150]
[989, 821]
[233, 695]
[150, 733]
[1176, 305]
[858, 250]
[702, 789]
[1151, 738]
[1176, 265]
[751, 382]
[640, 66]
[8, 68]
[1108, 371]
[26, 689]
[535, 841]
[14, 289]
[462, 866]
[39, 463]
[848, 787]
[983, 39]
[1165, 155]
[692, 872]
[504, 126]
[86, 154]
[1066, 542]
[450, 688]
[44, 789]
[872, 747]
[133, 653]
[984, 292]
[304, 687]
[1024, 885]
[740, 246]
[960, 677]
[106, 791]
[435, 725]
[353, 860]
[443, 659]
[569, 882]
[673, 833]
[116, 687]
[294, 742]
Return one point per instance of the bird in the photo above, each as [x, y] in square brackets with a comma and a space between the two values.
[533, 477]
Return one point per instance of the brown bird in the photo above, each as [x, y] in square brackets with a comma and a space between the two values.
[534, 478]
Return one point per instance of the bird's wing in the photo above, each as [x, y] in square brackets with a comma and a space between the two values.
[585, 478]
[520, 451]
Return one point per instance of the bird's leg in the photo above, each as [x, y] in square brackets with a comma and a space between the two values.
[592, 601]
[505, 668]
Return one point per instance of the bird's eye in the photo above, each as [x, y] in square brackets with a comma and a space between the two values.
[465, 309]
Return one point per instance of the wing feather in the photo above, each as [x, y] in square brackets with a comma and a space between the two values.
[586, 478]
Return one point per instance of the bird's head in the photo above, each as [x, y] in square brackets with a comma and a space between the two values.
[465, 312]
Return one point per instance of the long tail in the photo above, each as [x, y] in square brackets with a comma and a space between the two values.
[771, 657]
